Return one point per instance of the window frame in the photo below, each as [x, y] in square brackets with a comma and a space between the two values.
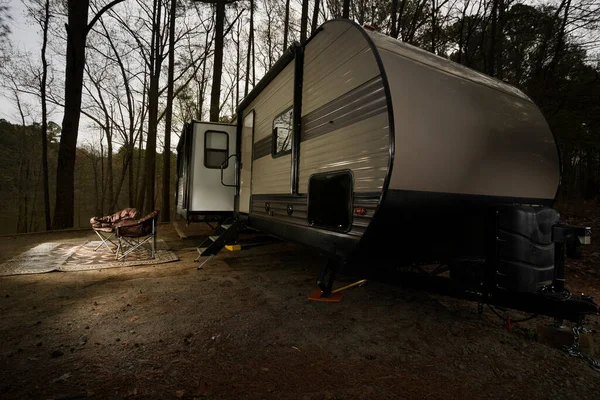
[206, 149]
[274, 153]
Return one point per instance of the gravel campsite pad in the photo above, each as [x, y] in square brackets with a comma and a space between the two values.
[243, 328]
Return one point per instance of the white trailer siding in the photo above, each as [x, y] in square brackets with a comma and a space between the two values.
[344, 112]
[272, 175]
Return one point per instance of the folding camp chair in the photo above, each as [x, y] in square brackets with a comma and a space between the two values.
[105, 226]
[133, 235]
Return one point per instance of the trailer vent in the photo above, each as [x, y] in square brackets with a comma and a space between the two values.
[524, 248]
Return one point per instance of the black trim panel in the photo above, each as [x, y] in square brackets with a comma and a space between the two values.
[326, 241]
[298, 82]
[424, 200]
[262, 148]
[365, 101]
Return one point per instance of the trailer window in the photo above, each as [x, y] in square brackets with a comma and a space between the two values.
[216, 149]
[283, 125]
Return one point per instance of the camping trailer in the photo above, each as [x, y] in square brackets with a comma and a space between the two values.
[357, 144]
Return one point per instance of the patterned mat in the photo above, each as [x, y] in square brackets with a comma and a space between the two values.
[48, 257]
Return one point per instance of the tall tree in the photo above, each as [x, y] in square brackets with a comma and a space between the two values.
[146, 200]
[39, 10]
[490, 70]
[433, 25]
[286, 25]
[304, 21]
[44, 132]
[393, 11]
[315, 18]
[250, 56]
[215, 92]
[166, 181]
[346, 9]
[77, 30]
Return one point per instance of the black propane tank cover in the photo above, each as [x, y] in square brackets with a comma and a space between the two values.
[524, 247]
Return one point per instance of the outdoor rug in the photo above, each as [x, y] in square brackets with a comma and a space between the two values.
[48, 257]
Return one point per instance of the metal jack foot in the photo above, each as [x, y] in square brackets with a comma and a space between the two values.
[327, 276]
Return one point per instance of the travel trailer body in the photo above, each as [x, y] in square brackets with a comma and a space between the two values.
[358, 144]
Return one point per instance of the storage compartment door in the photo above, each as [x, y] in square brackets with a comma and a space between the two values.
[330, 200]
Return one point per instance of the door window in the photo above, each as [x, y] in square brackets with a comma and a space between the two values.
[216, 149]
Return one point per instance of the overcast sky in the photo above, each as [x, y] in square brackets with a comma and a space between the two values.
[24, 36]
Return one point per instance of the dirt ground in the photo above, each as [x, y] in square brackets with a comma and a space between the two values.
[243, 328]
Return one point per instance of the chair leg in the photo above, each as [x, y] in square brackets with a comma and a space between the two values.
[153, 238]
[104, 241]
[118, 249]
[134, 247]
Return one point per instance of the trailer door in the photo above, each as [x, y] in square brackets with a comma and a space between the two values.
[213, 144]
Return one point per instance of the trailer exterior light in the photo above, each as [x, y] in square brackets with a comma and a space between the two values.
[360, 211]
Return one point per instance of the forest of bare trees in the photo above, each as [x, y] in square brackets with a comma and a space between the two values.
[125, 75]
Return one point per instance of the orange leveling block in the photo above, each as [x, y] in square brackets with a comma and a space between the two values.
[336, 295]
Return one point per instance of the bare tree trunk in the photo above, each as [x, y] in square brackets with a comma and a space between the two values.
[44, 132]
[304, 21]
[65, 168]
[146, 201]
[140, 176]
[491, 62]
[102, 184]
[269, 38]
[133, 183]
[286, 26]
[400, 15]
[33, 226]
[560, 39]
[215, 92]
[20, 185]
[393, 16]
[461, 32]
[250, 56]
[77, 30]
[315, 18]
[346, 9]
[201, 90]
[237, 66]
[96, 184]
[26, 197]
[500, 41]
[109, 170]
[433, 25]
[166, 181]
